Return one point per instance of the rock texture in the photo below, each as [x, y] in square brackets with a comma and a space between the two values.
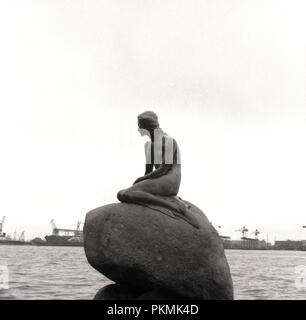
[147, 250]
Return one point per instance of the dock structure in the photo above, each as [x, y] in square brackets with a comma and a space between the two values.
[246, 244]
[66, 232]
[63, 236]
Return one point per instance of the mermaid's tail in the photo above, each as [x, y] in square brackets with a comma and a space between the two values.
[186, 215]
[166, 211]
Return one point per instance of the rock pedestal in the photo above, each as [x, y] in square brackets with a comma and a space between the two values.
[155, 255]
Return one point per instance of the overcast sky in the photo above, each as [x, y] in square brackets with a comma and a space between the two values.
[226, 78]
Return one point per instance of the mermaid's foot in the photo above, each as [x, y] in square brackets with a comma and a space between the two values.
[179, 205]
[182, 207]
[180, 200]
[166, 211]
[185, 214]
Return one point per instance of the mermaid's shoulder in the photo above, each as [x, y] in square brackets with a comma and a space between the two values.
[169, 139]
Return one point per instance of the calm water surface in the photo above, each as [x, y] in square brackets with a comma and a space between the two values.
[64, 273]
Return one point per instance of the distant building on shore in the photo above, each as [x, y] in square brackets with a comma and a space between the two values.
[247, 243]
[255, 244]
[290, 245]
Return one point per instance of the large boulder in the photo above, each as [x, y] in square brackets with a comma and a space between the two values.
[146, 249]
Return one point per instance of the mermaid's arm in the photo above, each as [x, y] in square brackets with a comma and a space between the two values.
[161, 171]
[149, 165]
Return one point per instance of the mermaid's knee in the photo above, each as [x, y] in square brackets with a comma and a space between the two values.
[125, 195]
[121, 195]
[129, 195]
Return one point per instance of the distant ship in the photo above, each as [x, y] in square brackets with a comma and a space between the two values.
[63, 237]
[7, 240]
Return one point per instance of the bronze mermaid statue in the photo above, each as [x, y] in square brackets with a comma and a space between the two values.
[158, 188]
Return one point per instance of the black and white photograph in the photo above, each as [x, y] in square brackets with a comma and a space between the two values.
[152, 150]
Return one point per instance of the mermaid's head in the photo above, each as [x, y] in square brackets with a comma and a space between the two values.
[147, 122]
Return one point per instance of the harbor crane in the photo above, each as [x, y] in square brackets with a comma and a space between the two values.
[243, 230]
[53, 225]
[22, 236]
[256, 232]
[78, 230]
[1, 226]
[79, 225]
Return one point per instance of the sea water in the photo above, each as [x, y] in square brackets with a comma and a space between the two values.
[30, 272]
